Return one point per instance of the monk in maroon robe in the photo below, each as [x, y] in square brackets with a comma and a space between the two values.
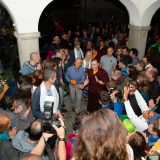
[96, 81]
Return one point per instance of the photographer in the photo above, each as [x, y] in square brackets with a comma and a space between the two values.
[39, 148]
[46, 92]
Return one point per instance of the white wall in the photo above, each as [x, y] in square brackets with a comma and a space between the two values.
[25, 13]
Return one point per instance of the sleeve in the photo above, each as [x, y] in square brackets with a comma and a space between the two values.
[83, 75]
[36, 104]
[137, 121]
[115, 63]
[67, 75]
[118, 108]
[141, 102]
[104, 76]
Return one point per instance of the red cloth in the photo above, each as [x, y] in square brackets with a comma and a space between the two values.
[50, 54]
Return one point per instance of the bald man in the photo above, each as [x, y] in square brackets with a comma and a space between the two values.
[75, 75]
[32, 64]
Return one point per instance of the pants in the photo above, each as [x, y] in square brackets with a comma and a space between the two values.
[76, 96]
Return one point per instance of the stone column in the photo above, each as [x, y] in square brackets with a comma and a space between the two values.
[27, 43]
[137, 38]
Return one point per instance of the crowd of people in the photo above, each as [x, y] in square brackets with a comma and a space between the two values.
[122, 117]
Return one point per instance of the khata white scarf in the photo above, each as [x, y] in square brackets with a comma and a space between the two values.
[78, 54]
[44, 97]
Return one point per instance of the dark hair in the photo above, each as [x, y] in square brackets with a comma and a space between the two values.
[124, 60]
[48, 73]
[25, 79]
[134, 83]
[34, 132]
[104, 97]
[7, 103]
[134, 51]
[138, 144]
[132, 72]
[37, 78]
[56, 60]
[78, 119]
[48, 64]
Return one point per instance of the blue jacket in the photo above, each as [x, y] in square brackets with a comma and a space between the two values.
[36, 104]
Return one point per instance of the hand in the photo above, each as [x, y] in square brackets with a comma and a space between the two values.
[46, 136]
[58, 114]
[39, 67]
[61, 130]
[100, 82]
[113, 98]
[81, 86]
[97, 80]
[12, 132]
[126, 93]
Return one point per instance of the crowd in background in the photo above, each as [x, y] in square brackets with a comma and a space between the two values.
[122, 118]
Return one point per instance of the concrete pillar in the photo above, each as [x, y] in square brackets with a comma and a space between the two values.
[27, 43]
[138, 38]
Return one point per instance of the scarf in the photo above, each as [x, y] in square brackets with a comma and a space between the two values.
[78, 54]
[44, 97]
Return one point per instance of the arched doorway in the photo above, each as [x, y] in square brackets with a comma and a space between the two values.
[8, 44]
[80, 12]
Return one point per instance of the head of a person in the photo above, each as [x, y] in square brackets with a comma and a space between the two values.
[101, 43]
[154, 128]
[49, 75]
[98, 139]
[49, 64]
[85, 33]
[140, 66]
[77, 123]
[104, 98]
[7, 103]
[143, 81]
[148, 114]
[110, 51]
[123, 63]
[37, 78]
[78, 63]
[132, 72]
[77, 45]
[138, 143]
[89, 45]
[58, 61]
[133, 52]
[133, 86]
[145, 60]
[94, 65]
[31, 157]
[35, 57]
[119, 51]
[56, 39]
[125, 51]
[111, 86]
[35, 130]
[116, 74]
[4, 122]
[88, 55]
[151, 73]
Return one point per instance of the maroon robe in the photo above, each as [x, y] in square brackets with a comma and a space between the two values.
[94, 88]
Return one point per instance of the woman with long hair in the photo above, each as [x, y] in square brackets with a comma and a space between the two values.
[103, 137]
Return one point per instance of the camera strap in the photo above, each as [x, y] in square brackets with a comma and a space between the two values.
[49, 152]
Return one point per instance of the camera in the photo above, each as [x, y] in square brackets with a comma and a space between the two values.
[50, 119]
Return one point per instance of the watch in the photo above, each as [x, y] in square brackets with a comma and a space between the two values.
[61, 139]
